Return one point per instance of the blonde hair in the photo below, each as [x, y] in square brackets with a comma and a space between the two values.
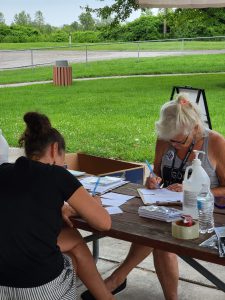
[179, 116]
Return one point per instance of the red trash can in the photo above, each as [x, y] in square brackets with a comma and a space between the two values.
[62, 73]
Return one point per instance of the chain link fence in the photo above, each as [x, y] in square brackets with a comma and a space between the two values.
[12, 59]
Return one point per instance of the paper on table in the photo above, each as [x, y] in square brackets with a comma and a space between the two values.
[110, 202]
[106, 180]
[159, 196]
[116, 196]
[101, 189]
[112, 210]
[76, 173]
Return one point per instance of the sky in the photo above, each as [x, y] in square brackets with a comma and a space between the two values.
[55, 12]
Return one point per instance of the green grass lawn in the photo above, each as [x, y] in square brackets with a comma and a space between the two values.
[130, 66]
[133, 46]
[111, 117]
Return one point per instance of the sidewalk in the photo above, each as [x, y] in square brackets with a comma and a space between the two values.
[6, 85]
[143, 282]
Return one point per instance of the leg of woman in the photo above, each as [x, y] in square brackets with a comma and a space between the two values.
[136, 254]
[166, 267]
[71, 242]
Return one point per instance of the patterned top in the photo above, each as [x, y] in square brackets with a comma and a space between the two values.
[175, 175]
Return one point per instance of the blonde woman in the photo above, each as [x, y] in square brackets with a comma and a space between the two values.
[180, 130]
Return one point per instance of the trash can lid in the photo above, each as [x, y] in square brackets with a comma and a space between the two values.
[61, 63]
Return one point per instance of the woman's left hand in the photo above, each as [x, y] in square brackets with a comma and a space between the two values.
[67, 212]
[175, 187]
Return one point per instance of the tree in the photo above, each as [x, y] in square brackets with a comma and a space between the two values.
[86, 21]
[75, 26]
[2, 18]
[39, 19]
[22, 19]
[120, 10]
[197, 22]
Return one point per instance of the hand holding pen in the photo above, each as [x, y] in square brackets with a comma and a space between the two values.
[153, 181]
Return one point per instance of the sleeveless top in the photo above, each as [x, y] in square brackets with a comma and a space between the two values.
[171, 163]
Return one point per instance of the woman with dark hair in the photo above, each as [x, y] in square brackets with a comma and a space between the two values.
[33, 236]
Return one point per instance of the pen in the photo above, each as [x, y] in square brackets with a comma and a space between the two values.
[177, 203]
[95, 187]
[150, 168]
[153, 174]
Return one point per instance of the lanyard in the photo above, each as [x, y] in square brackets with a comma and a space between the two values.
[185, 158]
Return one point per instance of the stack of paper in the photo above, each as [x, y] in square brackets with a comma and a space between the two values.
[161, 213]
[106, 183]
[160, 196]
[114, 199]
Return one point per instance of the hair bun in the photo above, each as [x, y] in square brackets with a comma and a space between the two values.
[182, 99]
[37, 124]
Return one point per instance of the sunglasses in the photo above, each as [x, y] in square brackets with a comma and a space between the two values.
[180, 142]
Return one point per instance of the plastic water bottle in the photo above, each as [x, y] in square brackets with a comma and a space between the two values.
[4, 149]
[192, 184]
[205, 203]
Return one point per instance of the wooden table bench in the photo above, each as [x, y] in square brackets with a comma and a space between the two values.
[156, 234]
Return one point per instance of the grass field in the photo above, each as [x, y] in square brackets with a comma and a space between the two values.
[111, 117]
[130, 66]
[150, 46]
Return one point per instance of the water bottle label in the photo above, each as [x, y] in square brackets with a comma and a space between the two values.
[199, 204]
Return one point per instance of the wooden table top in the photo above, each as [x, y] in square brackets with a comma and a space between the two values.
[157, 234]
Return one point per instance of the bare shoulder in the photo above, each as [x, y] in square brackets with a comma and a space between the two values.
[162, 145]
[216, 142]
[161, 148]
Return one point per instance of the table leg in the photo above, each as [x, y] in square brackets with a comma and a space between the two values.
[202, 270]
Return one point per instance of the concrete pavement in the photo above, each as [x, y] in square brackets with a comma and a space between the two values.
[143, 282]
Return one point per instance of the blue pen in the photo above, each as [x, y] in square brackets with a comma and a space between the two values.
[150, 168]
[96, 185]
[152, 172]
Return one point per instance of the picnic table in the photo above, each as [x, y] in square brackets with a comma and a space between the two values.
[157, 234]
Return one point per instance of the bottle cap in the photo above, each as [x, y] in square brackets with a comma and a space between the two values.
[197, 160]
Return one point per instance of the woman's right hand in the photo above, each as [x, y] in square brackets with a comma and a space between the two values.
[153, 182]
[90, 209]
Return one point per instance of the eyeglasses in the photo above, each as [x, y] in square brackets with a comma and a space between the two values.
[180, 142]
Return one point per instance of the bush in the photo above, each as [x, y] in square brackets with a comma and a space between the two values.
[86, 37]
[143, 29]
[18, 34]
[59, 36]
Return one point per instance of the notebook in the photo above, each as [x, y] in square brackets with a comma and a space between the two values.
[160, 196]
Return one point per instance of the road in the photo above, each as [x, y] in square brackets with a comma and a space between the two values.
[26, 58]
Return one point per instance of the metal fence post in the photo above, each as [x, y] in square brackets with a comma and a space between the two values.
[182, 44]
[138, 51]
[32, 58]
[86, 54]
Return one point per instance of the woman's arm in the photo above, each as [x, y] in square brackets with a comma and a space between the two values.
[90, 209]
[160, 148]
[217, 158]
